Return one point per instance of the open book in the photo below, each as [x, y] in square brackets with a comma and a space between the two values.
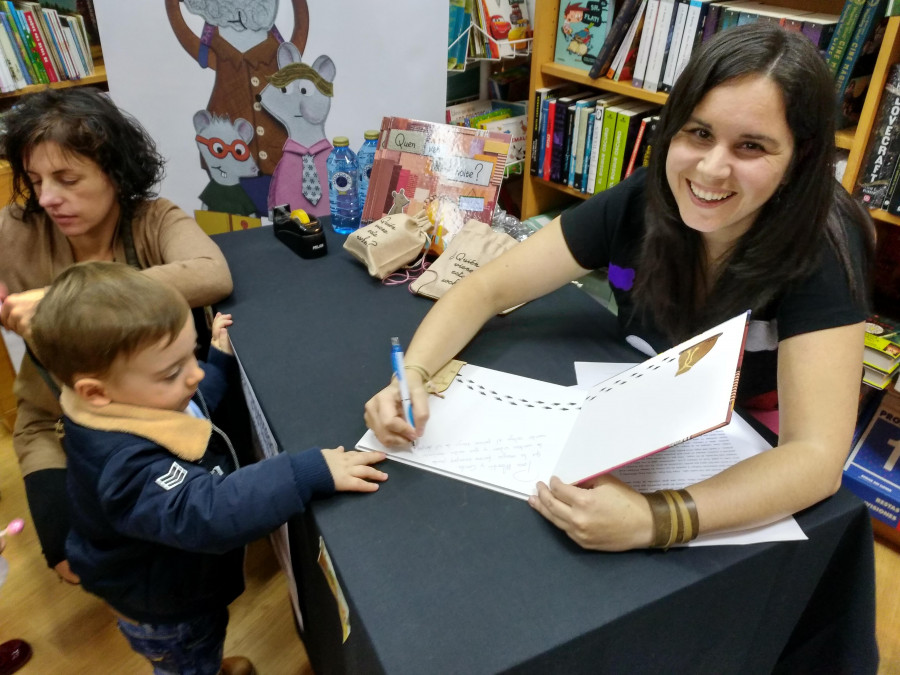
[506, 432]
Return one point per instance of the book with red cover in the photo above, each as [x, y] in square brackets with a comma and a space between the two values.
[426, 160]
[37, 36]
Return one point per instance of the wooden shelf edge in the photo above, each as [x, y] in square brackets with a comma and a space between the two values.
[885, 216]
[99, 77]
[581, 77]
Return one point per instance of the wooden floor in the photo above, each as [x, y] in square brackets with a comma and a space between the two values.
[73, 632]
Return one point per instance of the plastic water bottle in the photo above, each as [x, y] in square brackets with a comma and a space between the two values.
[343, 173]
[366, 157]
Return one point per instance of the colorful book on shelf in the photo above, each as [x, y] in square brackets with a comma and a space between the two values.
[600, 107]
[509, 24]
[877, 378]
[583, 110]
[73, 26]
[645, 44]
[21, 50]
[21, 25]
[18, 74]
[418, 161]
[607, 134]
[873, 183]
[623, 17]
[458, 113]
[44, 28]
[673, 45]
[626, 131]
[622, 66]
[695, 21]
[580, 32]
[42, 49]
[564, 109]
[690, 388]
[454, 33]
[517, 128]
[661, 34]
[819, 27]
[852, 80]
[640, 155]
[843, 33]
[882, 348]
[539, 122]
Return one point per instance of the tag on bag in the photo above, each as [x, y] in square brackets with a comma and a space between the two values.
[390, 242]
[476, 244]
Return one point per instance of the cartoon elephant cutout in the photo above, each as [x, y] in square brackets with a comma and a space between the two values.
[224, 146]
[299, 96]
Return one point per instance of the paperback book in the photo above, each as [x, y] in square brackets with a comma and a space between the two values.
[417, 162]
[581, 31]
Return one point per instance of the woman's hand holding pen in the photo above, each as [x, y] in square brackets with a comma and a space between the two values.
[384, 412]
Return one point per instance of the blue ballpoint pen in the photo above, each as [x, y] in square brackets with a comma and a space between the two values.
[397, 362]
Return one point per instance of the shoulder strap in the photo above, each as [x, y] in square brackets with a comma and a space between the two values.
[45, 375]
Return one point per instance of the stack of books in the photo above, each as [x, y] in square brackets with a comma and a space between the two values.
[40, 45]
[496, 115]
[881, 358]
[589, 141]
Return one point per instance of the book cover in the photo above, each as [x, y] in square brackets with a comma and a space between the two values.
[843, 33]
[819, 28]
[10, 55]
[645, 44]
[690, 388]
[509, 24]
[695, 22]
[458, 113]
[882, 343]
[564, 109]
[622, 67]
[873, 181]
[454, 32]
[583, 109]
[37, 12]
[877, 378]
[596, 136]
[588, 144]
[661, 32]
[423, 161]
[41, 46]
[673, 45]
[76, 43]
[580, 32]
[645, 131]
[7, 82]
[21, 57]
[627, 127]
[852, 80]
[872, 471]
[28, 40]
[60, 46]
[623, 18]
[517, 128]
[547, 152]
[607, 134]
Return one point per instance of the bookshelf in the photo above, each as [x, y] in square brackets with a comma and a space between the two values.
[539, 196]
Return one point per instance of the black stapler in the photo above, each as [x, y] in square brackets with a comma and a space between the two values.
[299, 232]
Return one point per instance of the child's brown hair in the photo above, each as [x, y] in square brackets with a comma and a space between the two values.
[95, 312]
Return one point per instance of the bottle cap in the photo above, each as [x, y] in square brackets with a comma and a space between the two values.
[340, 141]
[371, 134]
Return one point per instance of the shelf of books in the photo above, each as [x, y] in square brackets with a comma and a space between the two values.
[635, 68]
[97, 77]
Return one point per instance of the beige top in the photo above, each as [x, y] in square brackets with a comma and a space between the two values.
[170, 246]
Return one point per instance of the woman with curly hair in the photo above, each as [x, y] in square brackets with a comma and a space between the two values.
[84, 188]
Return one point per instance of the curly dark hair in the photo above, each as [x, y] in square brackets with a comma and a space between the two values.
[83, 121]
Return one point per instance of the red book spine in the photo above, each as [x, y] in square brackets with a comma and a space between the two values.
[41, 47]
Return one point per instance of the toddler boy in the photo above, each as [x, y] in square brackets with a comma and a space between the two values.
[160, 510]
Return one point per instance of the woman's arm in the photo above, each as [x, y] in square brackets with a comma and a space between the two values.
[818, 389]
[540, 264]
[178, 252]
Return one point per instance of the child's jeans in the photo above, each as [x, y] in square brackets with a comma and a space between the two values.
[189, 648]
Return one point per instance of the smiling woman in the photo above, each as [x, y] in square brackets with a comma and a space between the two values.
[737, 210]
[84, 181]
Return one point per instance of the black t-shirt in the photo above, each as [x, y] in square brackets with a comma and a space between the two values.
[606, 231]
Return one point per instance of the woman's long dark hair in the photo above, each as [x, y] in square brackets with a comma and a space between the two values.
[782, 245]
[83, 121]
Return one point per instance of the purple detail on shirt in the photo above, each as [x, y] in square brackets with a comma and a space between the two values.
[621, 277]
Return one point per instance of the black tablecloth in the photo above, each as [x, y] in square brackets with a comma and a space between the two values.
[445, 577]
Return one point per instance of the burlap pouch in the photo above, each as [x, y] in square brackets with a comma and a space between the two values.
[473, 246]
[390, 242]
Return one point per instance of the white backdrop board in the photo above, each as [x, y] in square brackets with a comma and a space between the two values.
[388, 60]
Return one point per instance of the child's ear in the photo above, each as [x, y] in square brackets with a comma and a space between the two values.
[92, 390]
